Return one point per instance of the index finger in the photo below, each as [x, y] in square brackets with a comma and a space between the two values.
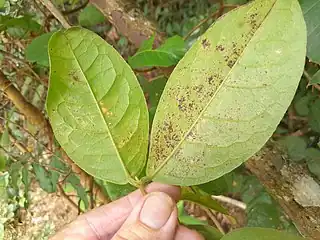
[104, 222]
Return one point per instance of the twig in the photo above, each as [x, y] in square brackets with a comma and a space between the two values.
[79, 206]
[92, 203]
[31, 112]
[24, 62]
[56, 13]
[14, 141]
[218, 13]
[309, 78]
[230, 201]
[214, 220]
[26, 151]
[40, 9]
[203, 21]
[221, 2]
[291, 114]
[301, 132]
[146, 70]
[73, 204]
[67, 12]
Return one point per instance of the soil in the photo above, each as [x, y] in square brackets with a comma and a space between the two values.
[46, 214]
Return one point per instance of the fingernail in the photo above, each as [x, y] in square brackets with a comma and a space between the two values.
[156, 210]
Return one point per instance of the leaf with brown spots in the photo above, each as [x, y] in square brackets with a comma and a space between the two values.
[96, 107]
[229, 92]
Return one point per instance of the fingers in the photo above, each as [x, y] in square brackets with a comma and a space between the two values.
[155, 217]
[103, 222]
[186, 233]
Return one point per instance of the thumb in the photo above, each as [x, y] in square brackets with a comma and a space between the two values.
[155, 217]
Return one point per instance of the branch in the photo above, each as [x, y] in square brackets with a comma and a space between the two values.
[24, 62]
[230, 201]
[73, 204]
[282, 184]
[33, 114]
[55, 12]
[214, 219]
[85, 179]
[132, 25]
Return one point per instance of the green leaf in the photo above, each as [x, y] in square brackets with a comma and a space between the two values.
[259, 234]
[311, 9]
[228, 93]
[19, 27]
[56, 163]
[5, 140]
[147, 44]
[166, 55]
[2, 3]
[3, 185]
[313, 161]
[15, 175]
[314, 119]
[37, 50]
[209, 232]
[116, 191]
[197, 196]
[90, 16]
[218, 186]
[186, 219]
[263, 215]
[153, 91]
[174, 45]
[81, 192]
[316, 77]
[44, 178]
[302, 104]
[96, 107]
[295, 146]
[26, 181]
[3, 161]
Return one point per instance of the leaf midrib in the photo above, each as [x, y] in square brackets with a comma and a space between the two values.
[100, 112]
[206, 106]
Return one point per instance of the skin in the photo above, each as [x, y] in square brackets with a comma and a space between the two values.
[127, 218]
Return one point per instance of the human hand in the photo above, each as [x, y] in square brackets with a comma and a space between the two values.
[133, 217]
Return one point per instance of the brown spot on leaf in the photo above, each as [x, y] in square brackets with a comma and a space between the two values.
[220, 48]
[231, 63]
[205, 43]
[210, 80]
[253, 21]
[182, 103]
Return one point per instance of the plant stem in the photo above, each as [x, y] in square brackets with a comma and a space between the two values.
[56, 13]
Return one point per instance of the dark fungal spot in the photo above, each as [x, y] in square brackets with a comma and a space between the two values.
[220, 48]
[253, 21]
[210, 80]
[205, 43]
[231, 63]
[198, 88]
[182, 103]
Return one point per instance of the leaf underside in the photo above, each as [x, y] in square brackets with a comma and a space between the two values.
[229, 92]
[96, 107]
